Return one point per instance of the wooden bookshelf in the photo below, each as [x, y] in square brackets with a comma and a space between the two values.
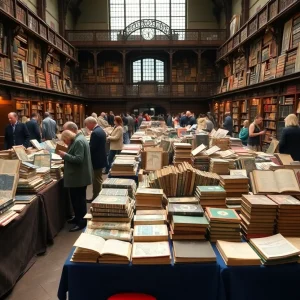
[270, 114]
[23, 108]
[37, 107]
[59, 116]
[216, 112]
[110, 71]
[236, 116]
[184, 69]
[68, 112]
[244, 111]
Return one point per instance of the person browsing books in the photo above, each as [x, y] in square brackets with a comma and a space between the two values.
[290, 138]
[254, 134]
[228, 124]
[77, 172]
[16, 133]
[98, 153]
[244, 133]
[49, 127]
[116, 141]
[33, 128]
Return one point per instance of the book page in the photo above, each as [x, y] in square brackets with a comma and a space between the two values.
[116, 247]
[90, 242]
[9, 166]
[265, 181]
[154, 249]
[286, 181]
[198, 150]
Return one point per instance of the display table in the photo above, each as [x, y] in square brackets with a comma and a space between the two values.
[99, 281]
[21, 240]
[55, 200]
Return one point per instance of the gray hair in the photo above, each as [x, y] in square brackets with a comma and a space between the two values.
[46, 114]
[90, 120]
[71, 126]
[68, 134]
[14, 114]
[94, 115]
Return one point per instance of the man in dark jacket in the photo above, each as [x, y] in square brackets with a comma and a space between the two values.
[33, 128]
[228, 124]
[98, 153]
[111, 119]
[16, 133]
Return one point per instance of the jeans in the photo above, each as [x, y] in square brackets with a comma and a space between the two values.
[78, 200]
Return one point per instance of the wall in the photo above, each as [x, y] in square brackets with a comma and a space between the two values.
[236, 7]
[69, 21]
[254, 5]
[52, 16]
[32, 4]
[200, 15]
[94, 15]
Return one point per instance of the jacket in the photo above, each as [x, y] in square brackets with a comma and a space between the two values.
[15, 138]
[243, 135]
[130, 123]
[201, 122]
[102, 122]
[49, 129]
[228, 124]
[34, 130]
[290, 142]
[97, 148]
[116, 138]
[78, 165]
[110, 120]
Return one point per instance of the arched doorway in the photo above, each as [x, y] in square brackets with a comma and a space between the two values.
[151, 109]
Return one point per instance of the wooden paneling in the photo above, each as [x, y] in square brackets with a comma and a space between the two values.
[6, 106]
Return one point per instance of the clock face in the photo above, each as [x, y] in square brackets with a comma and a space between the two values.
[148, 33]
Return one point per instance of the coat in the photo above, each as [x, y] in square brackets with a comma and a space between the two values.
[97, 148]
[49, 129]
[130, 123]
[34, 130]
[102, 122]
[244, 135]
[228, 124]
[290, 142]
[78, 168]
[116, 138]
[15, 138]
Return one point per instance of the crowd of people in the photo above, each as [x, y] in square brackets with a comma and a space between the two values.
[85, 162]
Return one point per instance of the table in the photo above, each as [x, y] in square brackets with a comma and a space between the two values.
[21, 240]
[177, 282]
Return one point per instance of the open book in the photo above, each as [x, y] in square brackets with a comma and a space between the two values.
[92, 248]
[279, 181]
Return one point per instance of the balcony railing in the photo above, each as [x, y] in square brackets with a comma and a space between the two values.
[144, 90]
[200, 37]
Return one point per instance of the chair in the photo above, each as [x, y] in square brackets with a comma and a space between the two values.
[131, 296]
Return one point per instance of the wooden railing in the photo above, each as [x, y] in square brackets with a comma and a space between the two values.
[144, 90]
[213, 37]
[270, 12]
[22, 15]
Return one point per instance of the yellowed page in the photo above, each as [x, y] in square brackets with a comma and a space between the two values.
[90, 242]
[286, 181]
[116, 247]
[265, 181]
[9, 166]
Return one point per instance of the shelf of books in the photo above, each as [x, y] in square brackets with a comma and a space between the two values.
[236, 115]
[59, 115]
[76, 114]
[254, 109]
[68, 112]
[5, 65]
[270, 118]
[221, 114]
[216, 112]
[184, 69]
[244, 112]
[22, 108]
[110, 71]
[37, 107]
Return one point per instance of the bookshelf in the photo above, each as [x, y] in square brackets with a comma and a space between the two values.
[216, 112]
[254, 108]
[68, 112]
[37, 107]
[244, 112]
[59, 115]
[110, 71]
[5, 65]
[23, 108]
[236, 115]
[76, 115]
[270, 117]
[221, 114]
[184, 69]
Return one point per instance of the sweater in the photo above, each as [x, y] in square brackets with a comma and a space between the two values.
[116, 138]
[243, 135]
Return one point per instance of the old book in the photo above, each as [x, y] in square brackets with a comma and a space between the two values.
[36, 144]
[120, 235]
[274, 248]
[154, 160]
[185, 209]
[279, 181]
[286, 36]
[193, 252]
[198, 150]
[18, 207]
[60, 147]
[183, 200]
[150, 233]
[117, 202]
[238, 254]
[189, 221]
[21, 153]
[24, 199]
[114, 192]
[225, 215]
[42, 160]
[240, 172]
[151, 253]
[109, 225]
[151, 212]
[91, 248]
[149, 219]
[284, 159]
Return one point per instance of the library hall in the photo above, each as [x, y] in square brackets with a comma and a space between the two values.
[149, 149]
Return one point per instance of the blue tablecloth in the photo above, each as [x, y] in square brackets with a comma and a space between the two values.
[181, 282]
[90, 281]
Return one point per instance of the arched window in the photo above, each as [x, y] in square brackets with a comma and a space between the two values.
[148, 69]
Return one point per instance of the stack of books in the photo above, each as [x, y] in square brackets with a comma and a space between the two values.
[224, 224]
[150, 217]
[235, 185]
[154, 253]
[288, 215]
[234, 203]
[258, 214]
[44, 173]
[274, 250]
[121, 183]
[7, 217]
[31, 185]
[182, 153]
[219, 166]
[238, 254]
[200, 160]
[92, 248]
[235, 142]
[106, 233]
[123, 167]
[112, 209]
[24, 199]
[27, 170]
[131, 149]
[147, 141]
[149, 198]
[150, 233]
[211, 196]
[56, 172]
[193, 252]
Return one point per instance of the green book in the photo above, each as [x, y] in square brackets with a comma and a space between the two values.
[223, 215]
[216, 188]
[181, 220]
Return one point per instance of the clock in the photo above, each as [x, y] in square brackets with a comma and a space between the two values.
[148, 33]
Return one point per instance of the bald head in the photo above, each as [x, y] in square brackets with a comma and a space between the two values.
[90, 123]
[70, 126]
[12, 118]
[188, 113]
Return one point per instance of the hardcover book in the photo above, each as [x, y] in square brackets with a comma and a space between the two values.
[185, 209]
[150, 233]
[227, 215]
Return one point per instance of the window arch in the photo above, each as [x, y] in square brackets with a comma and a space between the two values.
[148, 69]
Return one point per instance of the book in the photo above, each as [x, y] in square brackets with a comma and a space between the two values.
[36, 144]
[183, 200]
[92, 248]
[150, 233]
[182, 221]
[238, 254]
[149, 219]
[185, 209]
[60, 147]
[42, 160]
[193, 252]
[109, 225]
[279, 181]
[151, 253]
[240, 172]
[226, 215]
[120, 235]
[21, 153]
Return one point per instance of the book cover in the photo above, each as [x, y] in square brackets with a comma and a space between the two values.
[189, 220]
[215, 189]
[186, 209]
[150, 230]
[222, 214]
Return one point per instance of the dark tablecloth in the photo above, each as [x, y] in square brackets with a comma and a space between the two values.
[55, 200]
[177, 282]
[21, 240]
